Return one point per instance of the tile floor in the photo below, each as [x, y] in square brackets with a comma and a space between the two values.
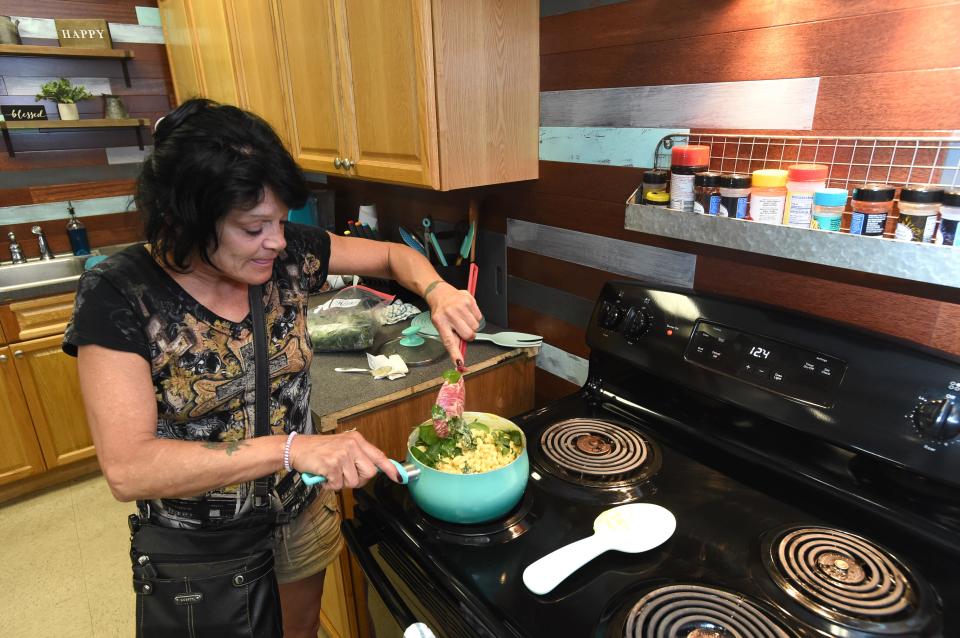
[64, 568]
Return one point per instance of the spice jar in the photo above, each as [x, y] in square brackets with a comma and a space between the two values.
[919, 207]
[767, 196]
[654, 180]
[828, 207]
[656, 198]
[803, 180]
[686, 161]
[871, 205]
[706, 193]
[949, 219]
[734, 195]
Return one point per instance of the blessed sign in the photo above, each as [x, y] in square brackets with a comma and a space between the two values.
[23, 112]
[87, 34]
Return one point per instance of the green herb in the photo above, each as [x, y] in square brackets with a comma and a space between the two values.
[421, 456]
[340, 333]
[428, 435]
[451, 376]
[62, 92]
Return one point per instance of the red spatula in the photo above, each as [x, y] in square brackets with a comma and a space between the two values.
[472, 289]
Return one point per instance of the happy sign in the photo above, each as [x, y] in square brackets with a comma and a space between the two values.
[88, 34]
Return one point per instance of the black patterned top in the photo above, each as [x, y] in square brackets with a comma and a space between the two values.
[202, 364]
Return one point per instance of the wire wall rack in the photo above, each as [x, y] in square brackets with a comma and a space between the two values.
[898, 161]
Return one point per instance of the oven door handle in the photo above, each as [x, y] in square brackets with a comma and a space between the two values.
[398, 609]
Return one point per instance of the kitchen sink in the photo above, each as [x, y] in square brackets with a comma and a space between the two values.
[64, 269]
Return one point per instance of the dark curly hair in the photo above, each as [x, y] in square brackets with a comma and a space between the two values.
[208, 159]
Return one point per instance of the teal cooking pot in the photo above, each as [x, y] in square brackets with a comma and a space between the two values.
[470, 498]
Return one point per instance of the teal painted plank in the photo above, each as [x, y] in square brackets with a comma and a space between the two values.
[29, 213]
[148, 16]
[594, 145]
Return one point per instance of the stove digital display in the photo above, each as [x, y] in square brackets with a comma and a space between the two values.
[780, 367]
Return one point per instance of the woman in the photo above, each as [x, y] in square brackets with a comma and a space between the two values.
[163, 338]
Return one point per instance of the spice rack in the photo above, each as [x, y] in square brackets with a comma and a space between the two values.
[897, 161]
[928, 263]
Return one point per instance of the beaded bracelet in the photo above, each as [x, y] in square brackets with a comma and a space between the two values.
[286, 451]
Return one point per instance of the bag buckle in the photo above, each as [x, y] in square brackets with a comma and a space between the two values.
[148, 569]
[134, 523]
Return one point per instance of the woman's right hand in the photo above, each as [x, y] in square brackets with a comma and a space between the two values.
[347, 460]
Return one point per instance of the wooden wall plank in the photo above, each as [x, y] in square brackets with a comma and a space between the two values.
[645, 21]
[109, 11]
[846, 46]
[625, 146]
[906, 316]
[65, 139]
[575, 279]
[784, 103]
[549, 387]
[908, 100]
[53, 159]
[605, 183]
[102, 230]
[63, 192]
[559, 334]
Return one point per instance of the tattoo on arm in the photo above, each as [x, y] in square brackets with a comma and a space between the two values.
[431, 286]
[229, 446]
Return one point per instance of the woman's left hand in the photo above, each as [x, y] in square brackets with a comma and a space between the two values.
[456, 316]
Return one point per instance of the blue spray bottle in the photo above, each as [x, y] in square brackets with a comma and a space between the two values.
[77, 233]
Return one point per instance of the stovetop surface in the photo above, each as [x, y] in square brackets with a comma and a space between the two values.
[723, 506]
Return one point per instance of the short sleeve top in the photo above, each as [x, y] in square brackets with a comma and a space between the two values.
[202, 365]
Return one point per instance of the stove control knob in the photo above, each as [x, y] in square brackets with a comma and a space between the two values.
[610, 315]
[939, 420]
[637, 325]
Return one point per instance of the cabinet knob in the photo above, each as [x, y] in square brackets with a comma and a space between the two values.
[347, 164]
[338, 163]
[18, 354]
[3, 358]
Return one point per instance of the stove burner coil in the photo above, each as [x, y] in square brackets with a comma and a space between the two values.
[594, 450]
[697, 611]
[838, 575]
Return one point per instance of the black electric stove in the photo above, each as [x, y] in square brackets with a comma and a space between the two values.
[813, 470]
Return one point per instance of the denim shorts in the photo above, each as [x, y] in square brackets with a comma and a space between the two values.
[310, 542]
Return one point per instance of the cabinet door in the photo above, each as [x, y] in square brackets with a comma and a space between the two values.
[212, 42]
[19, 451]
[254, 35]
[178, 36]
[391, 104]
[310, 68]
[52, 389]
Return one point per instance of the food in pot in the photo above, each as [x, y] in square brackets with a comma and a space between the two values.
[469, 448]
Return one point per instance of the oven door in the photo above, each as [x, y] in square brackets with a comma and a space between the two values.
[407, 591]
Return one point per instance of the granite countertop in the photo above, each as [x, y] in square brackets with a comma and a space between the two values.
[337, 395]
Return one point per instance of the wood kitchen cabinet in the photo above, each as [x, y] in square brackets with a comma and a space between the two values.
[422, 92]
[226, 50]
[43, 427]
[20, 454]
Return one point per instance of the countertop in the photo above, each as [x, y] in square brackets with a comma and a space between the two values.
[337, 395]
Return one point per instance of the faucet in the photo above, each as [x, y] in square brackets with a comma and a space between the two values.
[45, 253]
[16, 253]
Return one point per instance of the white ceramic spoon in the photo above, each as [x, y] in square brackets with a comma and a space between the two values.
[635, 527]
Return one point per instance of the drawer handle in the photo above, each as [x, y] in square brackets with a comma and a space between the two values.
[18, 354]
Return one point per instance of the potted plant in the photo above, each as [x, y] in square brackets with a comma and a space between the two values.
[65, 95]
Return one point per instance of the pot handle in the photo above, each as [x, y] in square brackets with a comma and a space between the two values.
[398, 609]
[408, 472]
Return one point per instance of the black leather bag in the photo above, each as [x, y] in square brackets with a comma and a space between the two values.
[216, 582]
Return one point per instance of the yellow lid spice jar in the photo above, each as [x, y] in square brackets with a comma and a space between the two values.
[768, 195]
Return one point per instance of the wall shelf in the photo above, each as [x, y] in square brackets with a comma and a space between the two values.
[134, 123]
[929, 263]
[124, 55]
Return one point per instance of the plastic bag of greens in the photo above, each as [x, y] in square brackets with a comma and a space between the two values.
[348, 321]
